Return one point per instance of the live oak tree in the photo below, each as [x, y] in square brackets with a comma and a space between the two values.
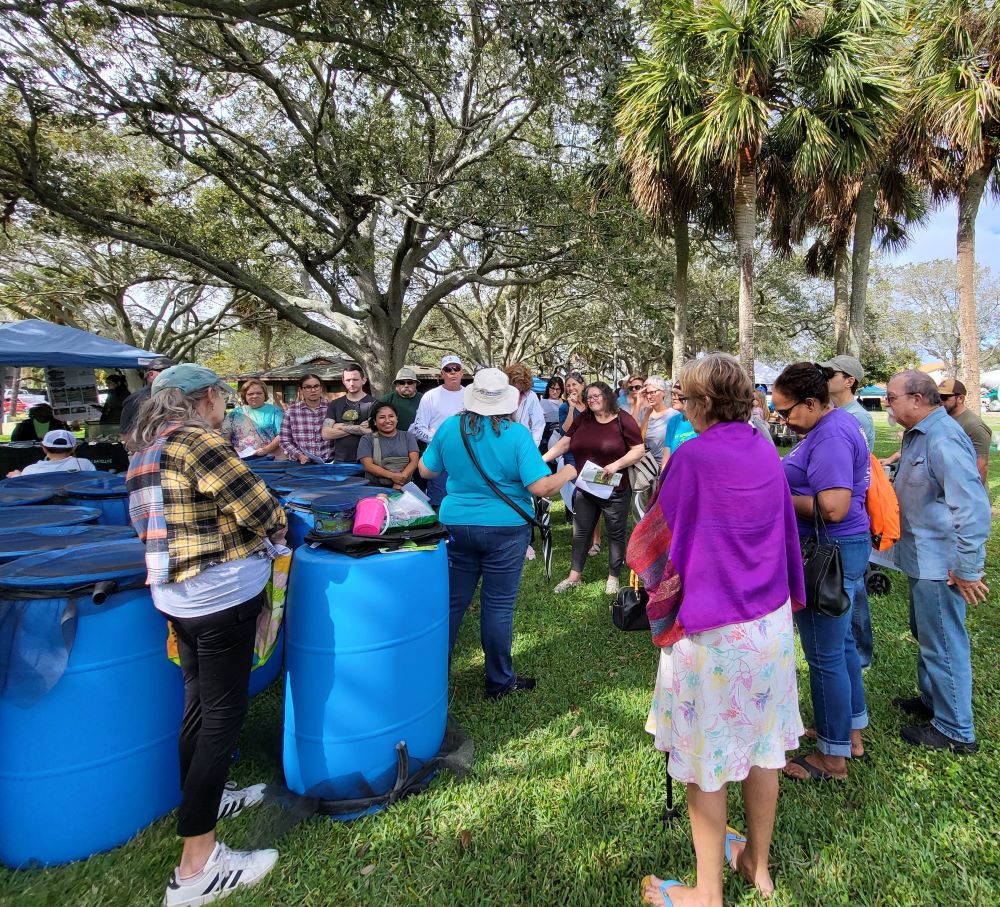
[389, 154]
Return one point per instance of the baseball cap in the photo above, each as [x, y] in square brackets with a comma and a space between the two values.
[952, 387]
[188, 378]
[451, 360]
[846, 364]
[59, 439]
[406, 374]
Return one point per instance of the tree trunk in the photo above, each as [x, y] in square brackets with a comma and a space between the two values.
[864, 228]
[841, 298]
[384, 357]
[746, 229]
[15, 389]
[267, 340]
[682, 255]
[968, 208]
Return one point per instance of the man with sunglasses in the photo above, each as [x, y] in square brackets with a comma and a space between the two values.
[953, 394]
[438, 404]
[405, 398]
[946, 520]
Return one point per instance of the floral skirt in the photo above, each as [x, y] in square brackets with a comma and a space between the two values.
[727, 700]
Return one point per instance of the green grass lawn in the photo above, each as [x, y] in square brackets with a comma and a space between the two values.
[562, 806]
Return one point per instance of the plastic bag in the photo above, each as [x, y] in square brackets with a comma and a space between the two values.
[407, 509]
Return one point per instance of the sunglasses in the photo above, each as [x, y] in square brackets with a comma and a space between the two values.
[452, 368]
[635, 387]
[783, 414]
[406, 382]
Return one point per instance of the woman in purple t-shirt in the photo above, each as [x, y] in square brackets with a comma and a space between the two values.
[830, 466]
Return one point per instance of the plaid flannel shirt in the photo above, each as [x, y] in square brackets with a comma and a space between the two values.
[215, 508]
[300, 432]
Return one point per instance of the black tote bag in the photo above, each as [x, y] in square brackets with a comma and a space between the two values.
[824, 571]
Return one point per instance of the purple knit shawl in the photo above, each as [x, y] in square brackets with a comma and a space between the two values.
[734, 539]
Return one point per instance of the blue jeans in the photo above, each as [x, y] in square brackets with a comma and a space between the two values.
[495, 554]
[838, 694]
[944, 665]
[861, 623]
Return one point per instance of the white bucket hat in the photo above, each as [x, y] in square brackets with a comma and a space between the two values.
[491, 394]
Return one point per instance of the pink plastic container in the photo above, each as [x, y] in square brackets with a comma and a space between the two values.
[370, 516]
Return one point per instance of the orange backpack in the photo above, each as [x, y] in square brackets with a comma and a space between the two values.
[882, 507]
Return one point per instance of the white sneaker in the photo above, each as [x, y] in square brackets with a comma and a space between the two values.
[565, 586]
[236, 799]
[612, 586]
[225, 871]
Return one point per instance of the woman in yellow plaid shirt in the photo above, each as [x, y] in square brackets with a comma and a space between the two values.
[209, 526]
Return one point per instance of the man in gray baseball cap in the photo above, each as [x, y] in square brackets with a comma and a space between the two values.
[404, 397]
[132, 403]
[844, 386]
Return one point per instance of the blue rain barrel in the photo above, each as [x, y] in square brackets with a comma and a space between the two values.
[95, 759]
[15, 543]
[107, 493]
[32, 516]
[265, 464]
[283, 483]
[25, 494]
[299, 506]
[327, 469]
[56, 482]
[366, 666]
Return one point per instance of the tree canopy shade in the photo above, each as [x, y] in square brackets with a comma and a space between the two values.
[41, 343]
[389, 154]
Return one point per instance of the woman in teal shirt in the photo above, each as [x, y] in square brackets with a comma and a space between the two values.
[678, 430]
[488, 537]
[254, 425]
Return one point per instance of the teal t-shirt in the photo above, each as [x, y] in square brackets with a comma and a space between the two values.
[678, 431]
[511, 460]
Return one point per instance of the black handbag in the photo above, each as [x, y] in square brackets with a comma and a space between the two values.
[824, 571]
[628, 611]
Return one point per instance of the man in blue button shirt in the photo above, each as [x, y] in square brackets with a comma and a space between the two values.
[945, 521]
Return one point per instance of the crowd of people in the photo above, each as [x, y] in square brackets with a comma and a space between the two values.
[719, 551]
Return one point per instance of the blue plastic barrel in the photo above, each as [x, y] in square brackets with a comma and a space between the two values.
[299, 506]
[107, 493]
[32, 516]
[95, 759]
[26, 494]
[366, 660]
[57, 482]
[15, 543]
[328, 469]
[265, 465]
[283, 483]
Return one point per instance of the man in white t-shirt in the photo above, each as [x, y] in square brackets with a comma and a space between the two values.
[58, 446]
[435, 406]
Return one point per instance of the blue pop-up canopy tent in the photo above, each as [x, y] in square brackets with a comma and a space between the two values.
[41, 343]
[872, 390]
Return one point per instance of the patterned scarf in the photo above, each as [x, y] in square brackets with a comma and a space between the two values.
[145, 506]
[648, 555]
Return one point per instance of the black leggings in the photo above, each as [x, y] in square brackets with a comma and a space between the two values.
[215, 651]
[586, 511]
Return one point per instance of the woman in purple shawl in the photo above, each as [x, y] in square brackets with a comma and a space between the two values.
[719, 557]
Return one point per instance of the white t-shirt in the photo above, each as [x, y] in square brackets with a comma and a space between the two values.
[214, 589]
[436, 406]
[530, 414]
[70, 464]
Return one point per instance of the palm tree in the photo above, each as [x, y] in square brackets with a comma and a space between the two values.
[954, 129]
[769, 76]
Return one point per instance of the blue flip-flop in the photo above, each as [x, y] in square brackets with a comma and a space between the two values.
[669, 883]
[732, 835]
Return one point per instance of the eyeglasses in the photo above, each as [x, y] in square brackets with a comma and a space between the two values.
[591, 398]
[783, 414]
[892, 398]
[452, 368]
[680, 397]
[311, 387]
[406, 382]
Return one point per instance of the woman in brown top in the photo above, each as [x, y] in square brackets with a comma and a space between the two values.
[610, 438]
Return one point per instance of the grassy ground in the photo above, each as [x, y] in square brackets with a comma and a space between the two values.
[563, 802]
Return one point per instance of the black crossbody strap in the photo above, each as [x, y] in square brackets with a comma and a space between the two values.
[462, 430]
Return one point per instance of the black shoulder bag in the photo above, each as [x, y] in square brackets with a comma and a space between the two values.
[824, 571]
[541, 519]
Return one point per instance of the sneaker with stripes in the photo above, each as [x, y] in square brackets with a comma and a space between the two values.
[236, 799]
[225, 871]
